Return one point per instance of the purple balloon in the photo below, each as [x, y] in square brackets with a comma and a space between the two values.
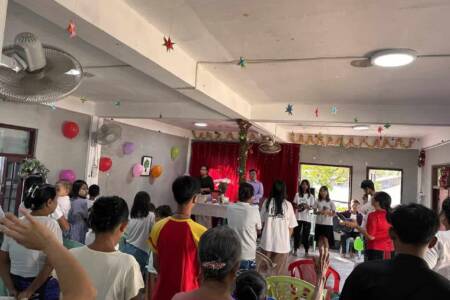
[67, 175]
[128, 148]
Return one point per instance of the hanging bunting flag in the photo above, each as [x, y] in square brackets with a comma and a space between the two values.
[242, 62]
[168, 43]
[72, 29]
[290, 109]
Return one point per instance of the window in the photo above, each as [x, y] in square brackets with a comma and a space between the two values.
[336, 178]
[389, 181]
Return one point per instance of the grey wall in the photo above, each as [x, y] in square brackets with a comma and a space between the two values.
[118, 181]
[52, 148]
[436, 156]
[359, 159]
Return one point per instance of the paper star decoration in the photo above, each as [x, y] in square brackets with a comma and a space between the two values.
[53, 106]
[117, 103]
[242, 62]
[83, 100]
[355, 120]
[72, 29]
[380, 129]
[333, 110]
[387, 125]
[168, 43]
[290, 109]
[316, 112]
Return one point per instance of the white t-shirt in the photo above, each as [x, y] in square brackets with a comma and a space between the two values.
[138, 230]
[324, 206]
[438, 257]
[365, 210]
[90, 238]
[308, 200]
[62, 209]
[275, 236]
[245, 220]
[115, 275]
[26, 262]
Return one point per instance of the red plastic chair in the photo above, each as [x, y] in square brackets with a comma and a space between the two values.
[304, 269]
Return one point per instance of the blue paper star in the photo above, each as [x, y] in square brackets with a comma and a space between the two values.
[242, 62]
[290, 109]
[333, 110]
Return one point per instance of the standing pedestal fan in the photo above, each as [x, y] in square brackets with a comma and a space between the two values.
[34, 73]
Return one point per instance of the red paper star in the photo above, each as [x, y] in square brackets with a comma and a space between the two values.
[168, 44]
[380, 129]
[316, 112]
[72, 29]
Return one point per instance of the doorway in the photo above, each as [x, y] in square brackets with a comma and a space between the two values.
[440, 185]
[16, 144]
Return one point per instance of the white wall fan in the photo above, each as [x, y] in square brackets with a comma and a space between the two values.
[31, 72]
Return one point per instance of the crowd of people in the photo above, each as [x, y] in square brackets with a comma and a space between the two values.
[405, 255]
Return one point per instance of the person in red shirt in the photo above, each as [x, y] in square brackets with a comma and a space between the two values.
[379, 244]
[174, 242]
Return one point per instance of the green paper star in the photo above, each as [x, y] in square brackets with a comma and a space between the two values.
[83, 100]
[355, 120]
[387, 125]
[117, 103]
[242, 62]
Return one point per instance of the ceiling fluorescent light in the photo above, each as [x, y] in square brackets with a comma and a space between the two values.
[390, 58]
[360, 127]
[73, 72]
[201, 124]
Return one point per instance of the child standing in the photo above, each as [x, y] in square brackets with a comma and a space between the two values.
[174, 242]
[325, 210]
[94, 192]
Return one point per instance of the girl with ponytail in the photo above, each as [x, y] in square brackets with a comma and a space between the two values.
[26, 273]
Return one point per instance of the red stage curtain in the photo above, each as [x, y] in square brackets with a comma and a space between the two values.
[222, 160]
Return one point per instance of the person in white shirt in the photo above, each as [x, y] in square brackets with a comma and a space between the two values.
[25, 272]
[61, 213]
[303, 202]
[438, 257]
[325, 210]
[246, 221]
[279, 221]
[115, 275]
[366, 208]
[138, 229]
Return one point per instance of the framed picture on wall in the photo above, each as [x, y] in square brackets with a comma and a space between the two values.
[147, 163]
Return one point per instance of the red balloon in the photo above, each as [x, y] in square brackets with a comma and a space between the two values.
[70, 129]
[105, 164]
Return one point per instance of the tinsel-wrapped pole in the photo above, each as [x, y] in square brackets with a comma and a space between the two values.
[244, 126]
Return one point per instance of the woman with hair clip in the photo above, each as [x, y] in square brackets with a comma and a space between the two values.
[279, 221]
[25, 272]
[219, 255]
[78, 214]
[114, 274]
[303, 202]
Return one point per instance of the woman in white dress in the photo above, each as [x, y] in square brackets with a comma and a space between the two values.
[278, 217]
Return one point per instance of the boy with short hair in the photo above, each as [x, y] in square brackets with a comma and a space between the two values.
[245, 219]
[407, 275]
[174, 242]
[94, 192]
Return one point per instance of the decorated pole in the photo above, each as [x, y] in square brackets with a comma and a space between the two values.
[243, 147]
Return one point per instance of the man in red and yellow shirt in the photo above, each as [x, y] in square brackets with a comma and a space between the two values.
[174, 241]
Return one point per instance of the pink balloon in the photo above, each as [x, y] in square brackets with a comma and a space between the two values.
[128, 148]
[67, 175]
[137, 170]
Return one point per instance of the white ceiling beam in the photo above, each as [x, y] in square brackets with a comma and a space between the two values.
[139, 44]
[154, 125]
[366, 114]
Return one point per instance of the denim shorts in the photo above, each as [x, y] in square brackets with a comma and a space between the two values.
[247, 265]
